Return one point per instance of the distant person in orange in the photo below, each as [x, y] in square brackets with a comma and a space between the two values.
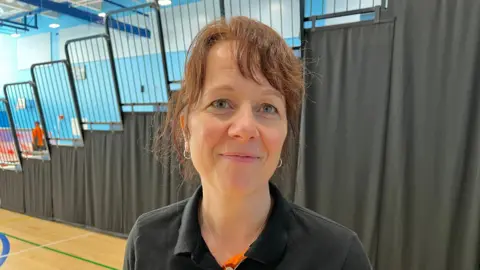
[37, 136]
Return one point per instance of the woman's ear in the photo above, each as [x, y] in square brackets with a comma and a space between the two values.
[182, 125]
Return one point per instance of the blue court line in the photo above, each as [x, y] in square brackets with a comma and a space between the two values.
[5, 249]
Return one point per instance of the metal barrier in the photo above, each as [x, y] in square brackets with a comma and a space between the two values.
[281, 15]
[329, 12]
[9, 147]
[140, 61]
[95, 82]
[28, 120]
[54, 82]
[180, 24]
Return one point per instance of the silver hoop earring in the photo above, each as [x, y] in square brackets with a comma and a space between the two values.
[185, 154]
[280, 163]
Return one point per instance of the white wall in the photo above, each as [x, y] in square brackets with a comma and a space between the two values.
[77, 32]
[341, 5]
[335, 6]
[8, 63]
[33, 49]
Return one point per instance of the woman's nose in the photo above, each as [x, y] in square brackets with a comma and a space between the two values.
[244, 124]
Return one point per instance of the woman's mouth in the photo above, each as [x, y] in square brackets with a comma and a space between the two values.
[240, 157]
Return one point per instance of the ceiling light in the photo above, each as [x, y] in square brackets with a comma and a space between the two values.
[15, 35]
[54, 25]
[103, 14]
[164, 2]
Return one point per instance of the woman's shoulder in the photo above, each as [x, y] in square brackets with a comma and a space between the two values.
[316, 225]
[325, 240]
[160, 218]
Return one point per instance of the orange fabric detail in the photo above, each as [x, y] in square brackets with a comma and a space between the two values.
[37, 133]
[234, 261]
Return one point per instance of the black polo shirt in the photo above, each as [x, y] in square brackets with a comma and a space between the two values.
[294, 238]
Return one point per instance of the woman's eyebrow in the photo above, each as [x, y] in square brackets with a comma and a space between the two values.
[220, 87]
[268, 91]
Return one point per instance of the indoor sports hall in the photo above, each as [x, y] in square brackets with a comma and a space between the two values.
[388, 138]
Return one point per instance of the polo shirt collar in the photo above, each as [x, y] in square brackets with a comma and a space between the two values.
[267, 249]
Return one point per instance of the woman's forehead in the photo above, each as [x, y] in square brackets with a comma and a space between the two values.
[221, 56]
[222, 66]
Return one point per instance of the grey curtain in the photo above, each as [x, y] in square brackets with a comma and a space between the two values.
[103, 180]
[105, 185]
[37, 188]
[11, 191]
[345, 122]
[391, 143]
[430, 215]
[68, 184]
[148, 183]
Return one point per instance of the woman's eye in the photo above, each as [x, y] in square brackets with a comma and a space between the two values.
[267, 108]
[220, 104]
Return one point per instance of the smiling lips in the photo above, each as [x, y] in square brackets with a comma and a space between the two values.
[241, 157]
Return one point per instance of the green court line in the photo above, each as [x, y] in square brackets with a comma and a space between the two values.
[59, 252]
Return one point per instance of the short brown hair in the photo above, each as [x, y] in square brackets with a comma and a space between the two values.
[258, 48]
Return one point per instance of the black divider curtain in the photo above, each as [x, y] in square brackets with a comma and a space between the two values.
[68, 184]
[345, 121]
[103, 180]
[391, 134]
[37, 179]
[148, 183]
[430, 215]
[106, 185]
[11, 191]
[28, 192]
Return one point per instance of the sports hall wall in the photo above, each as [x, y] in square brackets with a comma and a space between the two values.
[85, 185]
[389, 142]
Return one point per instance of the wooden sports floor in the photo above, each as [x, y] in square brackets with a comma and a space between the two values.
[30, 243]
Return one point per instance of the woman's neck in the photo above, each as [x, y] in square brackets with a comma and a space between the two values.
[226, 218]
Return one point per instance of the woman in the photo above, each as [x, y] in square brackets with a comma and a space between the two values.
[239, 102]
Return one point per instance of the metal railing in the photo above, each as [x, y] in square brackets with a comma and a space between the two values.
[140, 61]
[320, 13]
[26, 111]
[9, 147]
[281, 15]
[95, 81]
[180, 24]
[54, 82]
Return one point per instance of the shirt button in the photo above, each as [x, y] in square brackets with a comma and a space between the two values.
[229, 268]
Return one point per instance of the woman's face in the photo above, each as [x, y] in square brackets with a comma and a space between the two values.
[237, 129]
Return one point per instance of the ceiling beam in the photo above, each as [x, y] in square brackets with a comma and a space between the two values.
[14, 6]
[23, 14]
[64, 8]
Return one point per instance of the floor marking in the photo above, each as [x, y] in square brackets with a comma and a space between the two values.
[49, 244]
[58, 251]
[5, 248]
